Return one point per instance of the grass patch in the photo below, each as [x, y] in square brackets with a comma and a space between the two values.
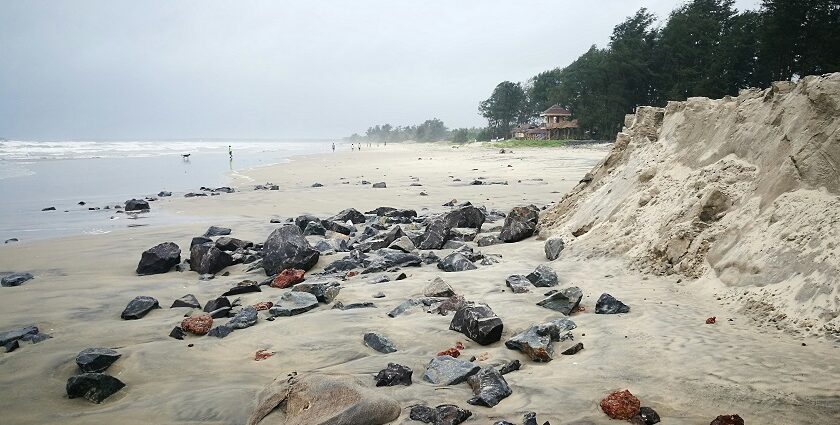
[513, 143]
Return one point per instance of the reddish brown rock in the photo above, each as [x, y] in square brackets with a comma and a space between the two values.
[728, 420]
[287, 278]
[263, 305]
[198, 325]
[711, 320]
[620, 405]
[454, 352]
[262, 355]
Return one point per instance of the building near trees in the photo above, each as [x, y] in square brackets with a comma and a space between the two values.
[557, 125]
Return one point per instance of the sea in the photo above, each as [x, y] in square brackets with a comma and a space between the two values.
[64, 174]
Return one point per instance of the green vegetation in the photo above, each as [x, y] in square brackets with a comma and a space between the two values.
[432, 130]
[705, 48]
[514, 143]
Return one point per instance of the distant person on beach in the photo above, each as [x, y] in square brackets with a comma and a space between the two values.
[333, 147]
[230, 152]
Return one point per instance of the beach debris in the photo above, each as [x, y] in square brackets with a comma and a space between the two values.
[288, 278]
[188, 300]
[607, 304]
[543, 276]
[728, 420]
[487, 239]
[293, 303]
[378, 342]
[245, 318]
[158, 259]
[518, 284]
[262, 355]
[478, 323]
[447, 370]
[198, 325]
[139, 307]
[573, 349]
[136, 205]
[286, 248]
[11, 240]
[316, 184]
[510, 366]
[456, 262]
[48, 209]
[352, 306]
[394, 374]
[520, 223]
[444, 414]
[489, 387]
[244, 287]
[96, 359]
[453, 351]
[324, 291]
[164, 193]
[319, 399]
[711, 320]
[95, 387]
[217, 231]
[537, 341]
[553, 247]
[620, 405]
[16, 279]
[205, 258]
[565, 301]
[438, 288]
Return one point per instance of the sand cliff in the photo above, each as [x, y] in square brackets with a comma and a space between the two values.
[741, 190]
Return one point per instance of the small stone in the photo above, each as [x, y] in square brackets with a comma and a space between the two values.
[573, 350]
[477, 322]
[139, 307]
[220, 331]
[379, 185]
[188, 300]
[246, 318]
[95, 387]
[565, 301]
[216, 231]
[518, 284]
[262, 355]
[379, 343]
[96, 359]
[394, 374]
[216, 304]
[324, 291]
[456, 262]
[510, 367]
[177, 333]
[607, 304]
[543, 276]
[444, 414]
[197, 325]
[648, 415]
[711, 320]
[294, 303]
[11, 346]
[553, 247]
[438, 288]
[379, 294]
[620, 405]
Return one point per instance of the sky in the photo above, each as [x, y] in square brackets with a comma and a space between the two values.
[163, 69]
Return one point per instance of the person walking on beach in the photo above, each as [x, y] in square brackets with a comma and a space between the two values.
[333, 146]
[230, 152]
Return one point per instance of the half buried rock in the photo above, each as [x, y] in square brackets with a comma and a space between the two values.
[489, 387]
[456, 262]
[477, 322]
[95, 387]
[197, 325]
[394, 374]
[607, 304]
[379, 343]
[96, 359]
[294, 303]
[139, 307]
[536, 341]
[565, 301]
[447, 370]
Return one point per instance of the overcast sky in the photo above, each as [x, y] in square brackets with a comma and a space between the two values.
[277, 69]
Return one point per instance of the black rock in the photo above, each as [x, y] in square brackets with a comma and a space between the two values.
[565, 301]
[429, 257]
[510, 367]
[188, 300]
[385, 259]
[139, 307]
[543, 276]
[381, 211]
[573, 349]
[648, 415]
[530, 418]
[216, 231]
[489, 387]
[136, 205]
[48, 209]
[520, 223]
[160, 258]
[35, 338]
[343, 265]
[553, 247]
[316, 184]
[607, 304]
[314, 228]
[220, 331]
[177, 333]
[337, 227]
[536, 341]
[15, 279]
[227, 243]
[207, 259]
[379, 185]
[294, 303]
[456, 262]
[96, 359]
[302, 221]
[478, 323]
[379, 343]
[246, 318]
[447, 370]
[434, 236]
[464, 216]
[325, 292]
[242, 289]
[518, 284]
[10, 336]
[199, 240]
[164, 193]
[216, 304]
[11, 346]
[95, 387]
[381, 241]
[445, 414]
[350, 214]
[394, 374]
[220, 312]
[287, 248]
[10, 240]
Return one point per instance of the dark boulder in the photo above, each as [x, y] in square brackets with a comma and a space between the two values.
[536, 341]
[207, 259]
[565, 301]
[160, 258]
[293, 303]
[314, 229]
[434, 236]
[220, 331]
[509, 367]
[337, 227]
[607, 304]
[520, 223]
[381, 241]
[10, 336]
[343, 265]
[188, 300]
[136, 205]
[394, 374]
[553, 247]
[489, 387]
[378, 342]
[350, 214]
[464, 216]
[242, 288]
[379, 185]
[216, 231]
[728, 420]
[96, 359]
[246, 318]
[286, 248]
[456, 262]
[543, 276]
[447, 370]
[302, 221]
[198, 240]
[385, 259]
[445, 414]
[216, 304]
[95, 387]
[139, 307]
[478, 323]
[226, 243]
[518, 284]
[15, 279]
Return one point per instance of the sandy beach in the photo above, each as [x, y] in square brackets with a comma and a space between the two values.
[662, 351]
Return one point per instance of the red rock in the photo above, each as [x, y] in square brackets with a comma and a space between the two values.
[728, 420]
[198, 325]
[350, 274]
[287, 278]
[711, 320]
[262, 355]
[620, 405]
[263, 305]
[454, 352]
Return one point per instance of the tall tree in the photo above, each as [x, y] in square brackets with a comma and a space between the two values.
[542, 91]
[505, 108]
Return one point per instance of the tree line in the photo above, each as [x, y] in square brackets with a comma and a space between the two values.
[432, 130]
[705, 48]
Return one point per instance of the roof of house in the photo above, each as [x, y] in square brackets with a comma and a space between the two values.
[556, 110]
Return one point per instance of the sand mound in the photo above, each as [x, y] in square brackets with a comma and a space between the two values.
[742, 189]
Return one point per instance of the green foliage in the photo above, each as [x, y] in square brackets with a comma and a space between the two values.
[705, 48]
